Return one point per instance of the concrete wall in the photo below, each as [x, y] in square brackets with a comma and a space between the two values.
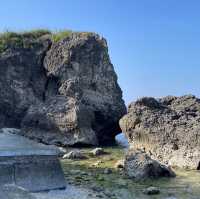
[34, 173]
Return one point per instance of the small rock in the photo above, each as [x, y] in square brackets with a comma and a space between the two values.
[97, 189]
[76, 154]
[97, 163]
[151, 191]
[75, 172]
[97, 151]
[62, 151]
[119, 164]
[107, 171]
[84, 173]
[110, 159]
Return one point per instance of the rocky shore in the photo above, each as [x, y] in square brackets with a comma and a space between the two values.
[105, 176]
[61, 89]
[87, 178]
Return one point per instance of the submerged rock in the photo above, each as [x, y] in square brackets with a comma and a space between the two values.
[168, 129]
[62, 92]
[151, 191]
[139, 165]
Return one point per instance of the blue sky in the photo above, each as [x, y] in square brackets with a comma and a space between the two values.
[153, 44]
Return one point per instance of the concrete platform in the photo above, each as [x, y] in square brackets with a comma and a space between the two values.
[15, 192]
[28, 164]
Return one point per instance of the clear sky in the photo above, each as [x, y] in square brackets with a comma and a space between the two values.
[154, 44]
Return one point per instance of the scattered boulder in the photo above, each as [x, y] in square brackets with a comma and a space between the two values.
[168, 129]
[151, 191]
[75, 154]
[140, 166]
[59, 92]
[97, 151]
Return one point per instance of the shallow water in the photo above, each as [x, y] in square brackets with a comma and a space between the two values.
[116, 185]
[185, 185]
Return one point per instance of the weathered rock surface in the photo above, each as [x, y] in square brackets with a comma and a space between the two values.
[22, 79]
[63, 92]
[140, 166]
[168, 129]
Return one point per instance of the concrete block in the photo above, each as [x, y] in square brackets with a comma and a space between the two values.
[29, 164]
[44, 174]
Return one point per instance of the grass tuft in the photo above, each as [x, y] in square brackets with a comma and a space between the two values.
[27, 39]
[57, 36]
[15, 40]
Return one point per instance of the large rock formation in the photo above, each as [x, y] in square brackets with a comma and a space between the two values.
[62, 92]
[167, 128]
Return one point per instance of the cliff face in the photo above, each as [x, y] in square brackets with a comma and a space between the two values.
[168, 129]
[60, 92]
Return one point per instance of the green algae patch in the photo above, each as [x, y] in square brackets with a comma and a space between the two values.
[90, 173]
